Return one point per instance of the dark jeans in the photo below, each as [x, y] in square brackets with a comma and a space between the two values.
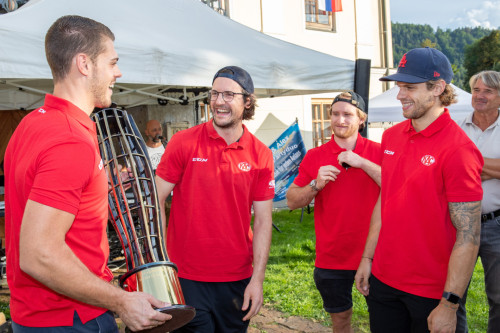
[489, 251]
[395, 311]
[105, 323]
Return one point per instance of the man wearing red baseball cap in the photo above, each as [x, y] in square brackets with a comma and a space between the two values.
[424, 233]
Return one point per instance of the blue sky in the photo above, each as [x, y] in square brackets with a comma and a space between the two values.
[447, 13]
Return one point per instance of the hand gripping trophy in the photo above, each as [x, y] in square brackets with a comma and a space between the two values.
[134, 212]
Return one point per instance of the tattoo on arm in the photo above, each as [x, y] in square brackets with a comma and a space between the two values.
[465, 217]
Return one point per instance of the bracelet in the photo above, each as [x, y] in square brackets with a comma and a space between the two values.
[367, 258]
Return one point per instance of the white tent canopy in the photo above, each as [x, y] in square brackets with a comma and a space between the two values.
[167, 48]
[386, 108]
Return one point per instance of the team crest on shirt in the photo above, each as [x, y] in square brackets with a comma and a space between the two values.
[428, 160]
[41, 110]
[101, 165]
[244, 166]
[271, 184]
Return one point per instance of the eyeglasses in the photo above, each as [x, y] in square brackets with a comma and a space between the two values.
[227, 96]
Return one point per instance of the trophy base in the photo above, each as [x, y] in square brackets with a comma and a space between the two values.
[181, 315]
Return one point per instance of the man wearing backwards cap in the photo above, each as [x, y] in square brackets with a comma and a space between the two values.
[219, 170]
[339, 175]
[424, 233]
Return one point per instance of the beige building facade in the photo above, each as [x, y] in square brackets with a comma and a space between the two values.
[361, 30]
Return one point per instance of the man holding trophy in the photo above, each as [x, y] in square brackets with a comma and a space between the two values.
[57, 197]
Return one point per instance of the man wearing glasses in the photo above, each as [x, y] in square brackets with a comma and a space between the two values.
[218, 171]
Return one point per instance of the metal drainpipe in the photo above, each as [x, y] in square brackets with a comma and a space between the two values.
[261, 18]
[386, 38]
[355, 31]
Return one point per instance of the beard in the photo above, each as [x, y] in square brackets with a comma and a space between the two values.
[347, 133]
[99, 91]
[233, 121]
[420, 108]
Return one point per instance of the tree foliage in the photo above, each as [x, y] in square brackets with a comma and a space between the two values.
[452, 43]
[484, 54]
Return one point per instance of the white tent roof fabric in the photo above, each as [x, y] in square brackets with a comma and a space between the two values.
[386, 108]
[164, 44]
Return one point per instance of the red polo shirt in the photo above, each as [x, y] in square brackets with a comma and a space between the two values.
[209, 235]
[421, 173]
[53, 159]
[342, 210]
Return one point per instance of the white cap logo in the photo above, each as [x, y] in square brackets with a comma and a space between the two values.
[428, 160]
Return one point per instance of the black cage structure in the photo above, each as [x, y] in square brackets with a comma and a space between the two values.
[134, 213]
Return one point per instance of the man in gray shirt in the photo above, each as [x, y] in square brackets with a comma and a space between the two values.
[483, 128]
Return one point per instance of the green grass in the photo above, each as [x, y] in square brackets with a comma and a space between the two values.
[289, 285]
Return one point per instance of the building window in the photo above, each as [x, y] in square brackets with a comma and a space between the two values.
[322, 131]
[317, 19]
[220, 6]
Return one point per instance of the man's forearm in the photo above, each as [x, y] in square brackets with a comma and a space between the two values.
[491, 168]
[298, 197]
[374, 231]
[64, 273]
[373, 170]
[465, 217]
[262, 230]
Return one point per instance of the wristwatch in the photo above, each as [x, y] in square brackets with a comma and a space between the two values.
[451, 297]
[313, 185]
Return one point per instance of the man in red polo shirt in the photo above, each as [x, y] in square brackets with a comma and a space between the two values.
[339, 175]
[56, 197]
[219, 171]
[424, 233]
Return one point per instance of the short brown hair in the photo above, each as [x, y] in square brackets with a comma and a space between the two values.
[70, 35]
[448, 95]
[249, 112]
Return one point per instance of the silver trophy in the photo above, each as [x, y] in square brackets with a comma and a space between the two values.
[134, 213]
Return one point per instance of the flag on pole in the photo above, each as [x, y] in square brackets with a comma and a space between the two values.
[330, 5]
[288, 151]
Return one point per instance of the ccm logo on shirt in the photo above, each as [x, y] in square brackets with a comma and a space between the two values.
[428, 160]
[198, 159]
[388, 152]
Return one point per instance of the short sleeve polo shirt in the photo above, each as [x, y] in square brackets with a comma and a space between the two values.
[209, 236]
[421, 173]
[488, 143]
[53, 159]
[342, 210]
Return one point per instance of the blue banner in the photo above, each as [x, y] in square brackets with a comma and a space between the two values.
[288, 151]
